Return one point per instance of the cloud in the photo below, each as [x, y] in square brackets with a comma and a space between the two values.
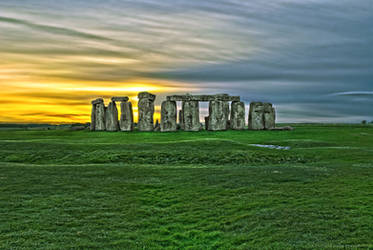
[53, 29]
[353, 93]
[299, 55]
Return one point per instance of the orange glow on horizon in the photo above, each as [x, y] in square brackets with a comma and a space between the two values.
[69, 102]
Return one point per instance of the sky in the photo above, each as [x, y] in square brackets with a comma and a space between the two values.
[313, 59]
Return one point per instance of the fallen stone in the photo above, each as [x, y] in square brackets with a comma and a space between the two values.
[282, 128]
[168, 116]
[126, 117]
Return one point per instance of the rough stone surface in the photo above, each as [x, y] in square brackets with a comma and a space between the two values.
[100, 117]
[111, 121]
[282, 128]
[218, 115]
[146, 95]
[206, 122]
[126, 117]
[203, 98]
[256, 116]
[261, 116]
[191, 116]
[157, 127]
[146, 111]
[93, 118]
[181, 119]
[269, 116]
[98, 101]
[168, 116]
[237, 121]
[120, 99]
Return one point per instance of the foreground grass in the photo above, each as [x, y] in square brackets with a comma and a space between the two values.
[64, 189]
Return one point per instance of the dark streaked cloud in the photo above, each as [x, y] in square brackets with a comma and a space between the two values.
[312, 58]
[53, 29]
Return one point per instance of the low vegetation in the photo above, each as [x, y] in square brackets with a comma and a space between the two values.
[81, 189]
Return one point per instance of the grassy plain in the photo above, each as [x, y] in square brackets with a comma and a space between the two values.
[78, 189]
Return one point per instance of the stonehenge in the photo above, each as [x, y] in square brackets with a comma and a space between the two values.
[237, 121]
[126, 117]
[190, 114]
[98, 115]
[261, 116]
[146, 111]
[218, 115]
[225, 112]
[168, 116]
[111, 116]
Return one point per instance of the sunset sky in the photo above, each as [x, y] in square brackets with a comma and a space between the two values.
[312, 58]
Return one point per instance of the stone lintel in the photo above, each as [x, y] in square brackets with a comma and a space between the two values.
[203, 98]
[97, 101]
[120, 99]
[147, 95]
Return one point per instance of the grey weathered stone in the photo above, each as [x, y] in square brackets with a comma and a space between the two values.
[93, 118]
[203, 98]
[146, 111]
[181, 119]
[126, 117]
[282, 128]
[191, 116]
[269, 116]
[157, 127]
[168, 116]
[206, 122]
[256, 116]
[100, 117]
[218, 115]
[237, 121]
[261, 116]
[98, 101]
[120, 98]
[146, 95]
[111, 121]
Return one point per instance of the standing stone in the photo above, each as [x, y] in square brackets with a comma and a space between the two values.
[256, 116]
[93, 118]
[269, 116]
[181, 119]
[218, 115]
[126, 116]
[157, 127]
[206, 122]
[168, 116]
[100, 117]
[111, 121]
[237, 116]
[146, 111]
[191, 116]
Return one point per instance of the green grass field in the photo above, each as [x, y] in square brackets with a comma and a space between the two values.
[207, 190]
